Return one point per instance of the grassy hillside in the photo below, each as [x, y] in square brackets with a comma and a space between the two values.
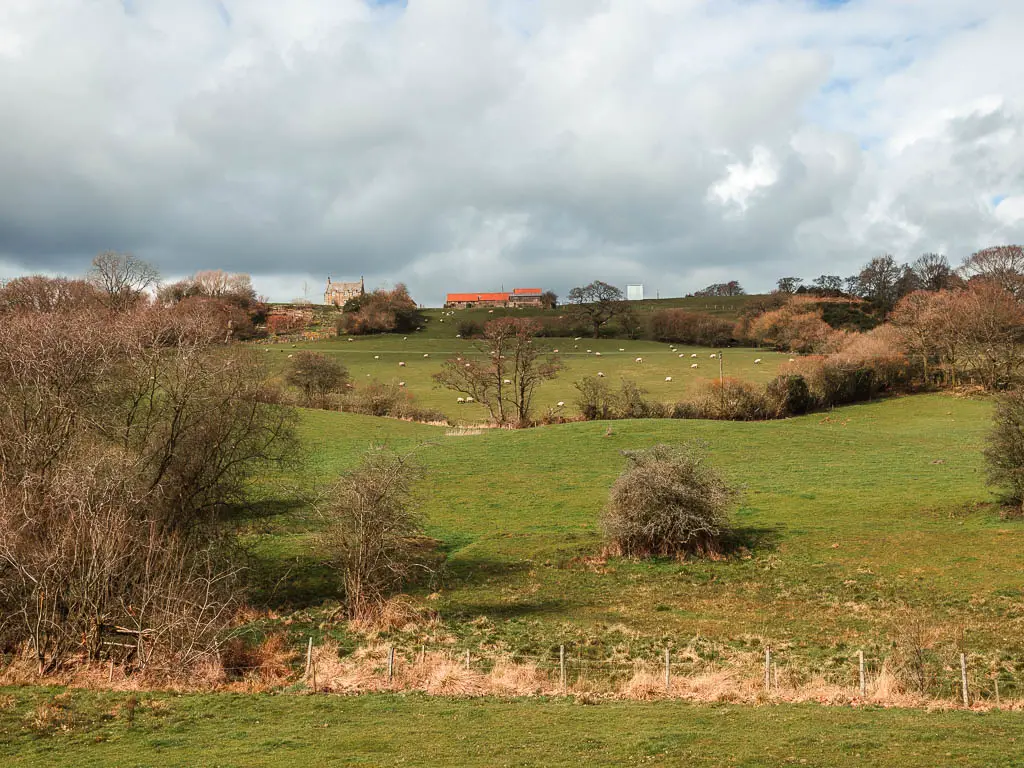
[378, 357]
[849, 519]
[92, 729]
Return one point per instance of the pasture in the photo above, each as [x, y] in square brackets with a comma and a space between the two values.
[377, 358]
[40, 727]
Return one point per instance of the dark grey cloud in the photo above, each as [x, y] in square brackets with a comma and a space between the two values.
[454, 144]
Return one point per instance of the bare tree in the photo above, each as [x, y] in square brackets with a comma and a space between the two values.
[1001, 264]
[123, 278]
[933, 272]
[596, 303]
[877, 282]
[37, 293]
[788, 284]
[505, 374]
[373, 531]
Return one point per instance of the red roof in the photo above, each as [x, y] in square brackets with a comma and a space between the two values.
[527, 291]
[462, 297]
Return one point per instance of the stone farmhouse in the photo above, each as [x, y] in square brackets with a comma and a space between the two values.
[519, 297]
[338, 293]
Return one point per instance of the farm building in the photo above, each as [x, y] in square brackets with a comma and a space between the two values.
[519, 297]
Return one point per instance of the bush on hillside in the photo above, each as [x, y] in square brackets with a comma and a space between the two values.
[668, 502]
[382, 311]
[1004, 451]
[470, 329]
[729, 399]
[789, 395]
[316, 376]
[682, 327]
[597, 401]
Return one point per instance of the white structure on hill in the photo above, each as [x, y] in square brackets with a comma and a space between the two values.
[635, 292]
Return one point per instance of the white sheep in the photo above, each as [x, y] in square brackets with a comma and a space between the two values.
[758, 361]
[469, 400]
[693, 355]
[639, 359]
[351, 339]
[561, 404]
[621, 349]
[401, 383]
[376, 357]
[290, 357]
[600, 375]
[682, 354]
[469, 365]
[426, 354]
[401, 365]
[555, 351]
[598, 354]
[405, 338]
[694, 365]
[713, 356]
[458, 335]
[668, 378]
[588, 351]
[792, 360]
[460, 399]
[506, 381]
[577, 338]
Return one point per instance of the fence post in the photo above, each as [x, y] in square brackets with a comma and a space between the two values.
[996, 681]
[668, 671]
[561, 666]
[309, 655]
[768, 668]
[963, 680]
[863, 684]
[110, 675]
[391, 663]
[467, 658]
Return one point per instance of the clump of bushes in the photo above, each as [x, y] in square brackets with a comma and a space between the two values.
[379, 399]
[682, 327]
[382, 311]
[597, 401]
[470, 329]
[668, 502]
[317, 377]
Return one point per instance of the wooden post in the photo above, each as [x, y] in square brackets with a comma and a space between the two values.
[996, 681]
[768, 668]
[423, 654]
[963, 680]
[391, 663]
[314, 676]
[863, 682]
[467, 658]
[668, 671]
[309, 655]
[561, 666]
[110, 672]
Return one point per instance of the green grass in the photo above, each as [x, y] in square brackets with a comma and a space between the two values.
[849, 518]
[377, 357]
[283, 730]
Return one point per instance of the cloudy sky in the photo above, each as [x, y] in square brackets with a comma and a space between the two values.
[470, 144]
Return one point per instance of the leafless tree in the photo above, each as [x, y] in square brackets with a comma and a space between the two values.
[373, 533]
[317, 376]
[933, 273]
[122, 278]
[1001, 264]
[37, 293]
[505, 373]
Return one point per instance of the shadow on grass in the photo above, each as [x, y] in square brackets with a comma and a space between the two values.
[753, 539]
[504, 611]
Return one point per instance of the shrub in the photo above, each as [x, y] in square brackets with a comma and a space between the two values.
[1004, 451]
[376, 399]
[667, 502]
[788, 395]
[392, 311]
[731, 399]
[373, 533]
[630, 403]
[594, 399]
[470, 329]
[317, 376]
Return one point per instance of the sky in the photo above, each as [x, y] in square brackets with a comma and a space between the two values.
[470, 145]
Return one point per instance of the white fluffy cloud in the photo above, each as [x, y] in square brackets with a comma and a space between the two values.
[460, 144]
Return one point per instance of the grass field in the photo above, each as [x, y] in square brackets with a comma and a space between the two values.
[851, 520]
[41, 727]
[377, 357]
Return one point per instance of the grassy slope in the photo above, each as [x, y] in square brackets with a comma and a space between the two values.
[232, 730]
[849, 517]
[360, 357]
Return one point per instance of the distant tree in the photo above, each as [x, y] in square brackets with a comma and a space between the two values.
[828, 285]
[37, 293]
[549, 299]
[731, 288]
[122, 278]
[1002, 265]
[667, 502]
[878, 282]
[788, 284]
[596, 304]
[317, 376]
[505, 374]
[933, 273]
[987, 324]
[852, 285]
[630, 323]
